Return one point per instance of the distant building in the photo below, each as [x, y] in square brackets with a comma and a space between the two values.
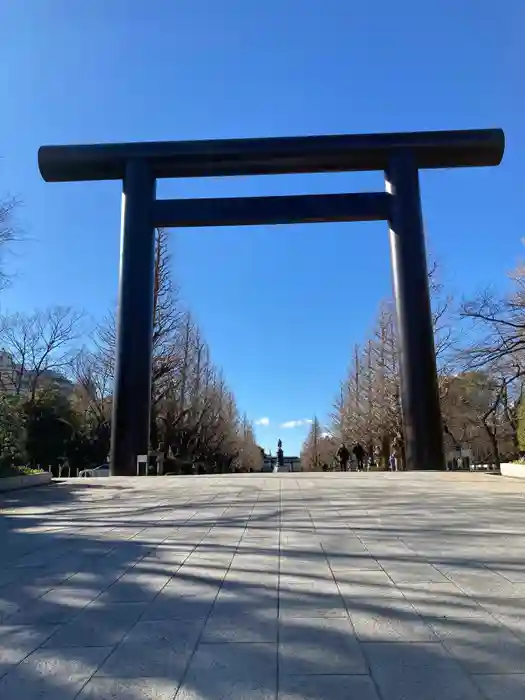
[8, 373]
[14, 379]
[291, 464]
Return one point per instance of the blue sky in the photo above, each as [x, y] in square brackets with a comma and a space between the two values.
[281, 307]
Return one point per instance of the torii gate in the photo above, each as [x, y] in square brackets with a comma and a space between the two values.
[399, 155]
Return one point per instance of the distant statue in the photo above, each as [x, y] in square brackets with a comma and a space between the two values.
[280, 454]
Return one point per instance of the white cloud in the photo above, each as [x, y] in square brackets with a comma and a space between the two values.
[326, 434]
[296, 423]
[262, 421]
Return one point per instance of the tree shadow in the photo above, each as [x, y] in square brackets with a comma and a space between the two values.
[266, 594]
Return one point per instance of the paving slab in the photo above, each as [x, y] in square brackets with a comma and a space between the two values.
[415, 671]
[100, 688]
[48, 675]
[302, 639]
[287, 586]
[328, 688]
[502, 687]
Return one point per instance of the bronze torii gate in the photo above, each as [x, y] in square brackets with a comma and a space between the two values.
[400, 156]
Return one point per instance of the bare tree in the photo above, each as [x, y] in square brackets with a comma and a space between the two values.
[477, 412]
[38, 345]
[194, 414]
[167, 316]
[493, 350]
[249, 454]
[319, 448]
[498, 322]
[368, 407]
[94, 381]
[9, 232]
[167, 320]
[499, 326]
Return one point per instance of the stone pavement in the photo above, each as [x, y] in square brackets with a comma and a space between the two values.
[318, 587]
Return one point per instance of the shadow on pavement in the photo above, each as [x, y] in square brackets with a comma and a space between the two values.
[293, 588]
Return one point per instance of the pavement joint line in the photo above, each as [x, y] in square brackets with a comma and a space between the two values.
[197, 643]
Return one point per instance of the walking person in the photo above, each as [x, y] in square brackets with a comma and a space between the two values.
[397, 451]
[373, 458]
[359, 454]
[343, 455]
[392, 461]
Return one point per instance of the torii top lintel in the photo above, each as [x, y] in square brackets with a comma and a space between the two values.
[272, 156]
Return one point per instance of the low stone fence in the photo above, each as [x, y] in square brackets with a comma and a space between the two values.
[513, 469]
[11, 483]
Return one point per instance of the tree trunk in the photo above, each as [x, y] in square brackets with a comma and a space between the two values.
[494, 443]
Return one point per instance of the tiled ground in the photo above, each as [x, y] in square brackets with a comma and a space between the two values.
[325, 587]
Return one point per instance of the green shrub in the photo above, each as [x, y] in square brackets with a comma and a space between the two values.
[17, 470]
